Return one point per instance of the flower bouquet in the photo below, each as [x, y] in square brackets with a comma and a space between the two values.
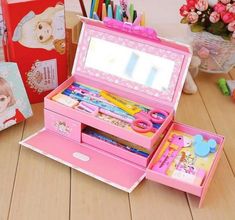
[212, 23]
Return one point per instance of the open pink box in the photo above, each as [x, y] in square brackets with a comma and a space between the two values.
[156, 72]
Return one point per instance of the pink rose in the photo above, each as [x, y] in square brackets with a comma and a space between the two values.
[214, 17]
[225, 1]
[228, 17]
[192, 17]
[231, 8]
[184, 10]
[220, 8]
[191, 3]
[231, 26]
[201, 5]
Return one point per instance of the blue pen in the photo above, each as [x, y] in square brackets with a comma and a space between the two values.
[110, 141]
[118, 13]
[95, 16]
[110, 11]
[92, 8]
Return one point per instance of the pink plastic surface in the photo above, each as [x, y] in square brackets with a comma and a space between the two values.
[135, 158]
[95, 163]
[175, 52]
[199, 191]
[91, 120]
[62, 125]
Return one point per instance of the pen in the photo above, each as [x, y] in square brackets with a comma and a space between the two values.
[95, 101]
[92, 8]
[134, 16]
[104, 13]
[110, 11]
[110, 141]
[142, 21]
[137, 20]
[96, 5]
[95, 16]
[99, 10]
[118, 13]
[131, 11]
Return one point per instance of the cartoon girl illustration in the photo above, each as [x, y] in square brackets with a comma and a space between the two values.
[45, 30]
[9, 114]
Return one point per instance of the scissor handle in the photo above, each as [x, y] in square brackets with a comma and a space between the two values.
[159, 119]
[142, 126]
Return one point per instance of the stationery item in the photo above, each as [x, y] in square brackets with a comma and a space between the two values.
[94, 110]
[137, 20]
[95, 16]
[131, 11]
[223, 86]
[134, 16]
[109, 139]
[65, 100]
[195, 179]
[104, 13]
[99, 10]
[177, 142]
[202, 147]
[107, 3]
[96, 6]
[144, 121]
[92, 8]
[110, 11]
[97, 102]
[121, 103]
[118, 13]
[14, 103]
[123, 4]
[142, 21]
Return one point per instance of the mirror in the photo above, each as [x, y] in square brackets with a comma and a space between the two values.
[131, 64]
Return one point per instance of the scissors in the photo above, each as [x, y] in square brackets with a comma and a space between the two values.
[143, 122]
[148, 121]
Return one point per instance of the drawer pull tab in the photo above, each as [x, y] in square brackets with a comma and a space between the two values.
[81, 156]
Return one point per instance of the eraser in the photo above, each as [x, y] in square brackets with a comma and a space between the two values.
[223, 86]
[65, 100]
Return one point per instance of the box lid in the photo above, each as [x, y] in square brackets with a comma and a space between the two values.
[103, 166]
[133, 59]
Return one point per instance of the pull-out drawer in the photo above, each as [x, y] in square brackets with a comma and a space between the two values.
[62, 125]
[190, 169]
[117, 146]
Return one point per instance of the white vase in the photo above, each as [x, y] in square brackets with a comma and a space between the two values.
[221, 53]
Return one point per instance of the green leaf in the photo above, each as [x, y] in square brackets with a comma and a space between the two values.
[184, 21]
[196, 28]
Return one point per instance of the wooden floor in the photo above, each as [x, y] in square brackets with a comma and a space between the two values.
[34, 187]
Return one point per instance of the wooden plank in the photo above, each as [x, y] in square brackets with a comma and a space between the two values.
[221, 110]
[42, 186]
[221, 195]
[154, 201]
[9, 154]
[93, 199]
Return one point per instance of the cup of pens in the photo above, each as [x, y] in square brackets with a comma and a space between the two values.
[122, 12]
